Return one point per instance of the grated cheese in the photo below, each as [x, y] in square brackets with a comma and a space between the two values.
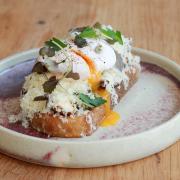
[113, 77]
[64, 97]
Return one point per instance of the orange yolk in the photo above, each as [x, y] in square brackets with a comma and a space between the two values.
[111, 117]
[95, 76]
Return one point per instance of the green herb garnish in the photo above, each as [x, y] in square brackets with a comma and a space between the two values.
[39, 68]
[50, 84]
[88, 32]
[97, 101]
[111, 36]
[56, 44]
[114, 36]
[80, 42]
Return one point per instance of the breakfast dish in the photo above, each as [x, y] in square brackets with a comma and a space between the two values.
[148, 110]
[76, 82]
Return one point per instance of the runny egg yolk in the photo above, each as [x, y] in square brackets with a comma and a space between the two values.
[95, 76]
[111, 117]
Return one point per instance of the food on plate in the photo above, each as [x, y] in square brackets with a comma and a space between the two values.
[76, 82]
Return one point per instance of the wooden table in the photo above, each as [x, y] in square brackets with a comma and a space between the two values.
[153, 24]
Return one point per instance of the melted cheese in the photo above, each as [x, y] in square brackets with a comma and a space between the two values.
[111, 117]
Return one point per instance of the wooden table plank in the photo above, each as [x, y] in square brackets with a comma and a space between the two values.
[154, 25]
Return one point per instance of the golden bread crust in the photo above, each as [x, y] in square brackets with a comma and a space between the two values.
[71, 127]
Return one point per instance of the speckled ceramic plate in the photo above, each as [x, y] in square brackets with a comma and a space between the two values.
[149, 118]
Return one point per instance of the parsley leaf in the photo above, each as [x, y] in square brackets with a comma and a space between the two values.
[59, 42]
[56, 44]
[88, 32]
[115, 36]
[111, 35]
[97, 101]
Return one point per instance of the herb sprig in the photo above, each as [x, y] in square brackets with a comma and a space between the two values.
[113, 36]
[110, 35]
[51, 46]
[97, 101]
[88, 32]
[56, 44]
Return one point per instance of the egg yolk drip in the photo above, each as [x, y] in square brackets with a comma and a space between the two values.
[95, 76]
[111, 117]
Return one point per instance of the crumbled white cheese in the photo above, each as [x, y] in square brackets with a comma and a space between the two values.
[19, 118]
[64, 97]
[125, 55]
[29, 106]
[34, 80]
[33, 88]
[113, 77]
[15, 118]
[25, 123]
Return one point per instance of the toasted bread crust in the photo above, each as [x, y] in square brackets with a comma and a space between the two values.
[71, 127]
[79, 126]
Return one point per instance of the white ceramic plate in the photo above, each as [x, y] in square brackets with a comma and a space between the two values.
[149, 119]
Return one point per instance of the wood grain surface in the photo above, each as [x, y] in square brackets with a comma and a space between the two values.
[153, 24]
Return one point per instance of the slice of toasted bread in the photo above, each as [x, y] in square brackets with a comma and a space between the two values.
[78, 126]
[71, 127]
